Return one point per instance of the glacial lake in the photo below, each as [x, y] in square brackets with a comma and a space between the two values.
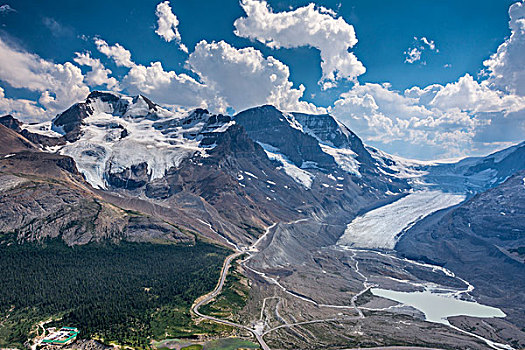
[437, 307]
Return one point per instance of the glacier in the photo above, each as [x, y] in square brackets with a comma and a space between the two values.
[381, 228]
[103, 148]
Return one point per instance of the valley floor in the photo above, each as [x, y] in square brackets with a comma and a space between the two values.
[326, 300]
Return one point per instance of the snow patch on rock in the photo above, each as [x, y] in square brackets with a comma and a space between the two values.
[299, 175]
[344, 157]
[45, 128]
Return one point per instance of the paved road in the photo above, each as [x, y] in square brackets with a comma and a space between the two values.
[259, 334]
[207, 298]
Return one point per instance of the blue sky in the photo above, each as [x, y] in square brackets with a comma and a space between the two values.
[474, 114]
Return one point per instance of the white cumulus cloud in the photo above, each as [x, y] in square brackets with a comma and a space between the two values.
[506, 68]
[99, 75]
[117, 52]
[60, 85]
[304, 26]
[430, 43]
[244, 78]
[20, 108]
[413, 53]
[228, 77]
[435, 121]
[5, 9]
[468, 95]
[165, 87]
[167, 24]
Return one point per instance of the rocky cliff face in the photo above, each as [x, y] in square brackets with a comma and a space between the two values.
[11, 122]
[317, 143]
[37, 139]
[268, 125]
[328, 130]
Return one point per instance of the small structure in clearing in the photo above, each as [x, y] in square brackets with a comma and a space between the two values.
[64, 336]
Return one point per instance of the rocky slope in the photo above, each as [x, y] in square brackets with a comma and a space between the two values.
[483, 241]
[10, 142]
[43, 196]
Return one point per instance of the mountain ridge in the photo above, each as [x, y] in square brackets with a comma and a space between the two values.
[130, 146]
[254, 168]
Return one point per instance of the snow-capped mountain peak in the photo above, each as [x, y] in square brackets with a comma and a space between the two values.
[111, 135]
[120, 141]
[469, 175]
[302, 140]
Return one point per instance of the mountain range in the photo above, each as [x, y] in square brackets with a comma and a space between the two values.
[120, 168]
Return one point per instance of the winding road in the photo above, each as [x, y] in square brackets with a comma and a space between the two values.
[259, 333]
[218, 289]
